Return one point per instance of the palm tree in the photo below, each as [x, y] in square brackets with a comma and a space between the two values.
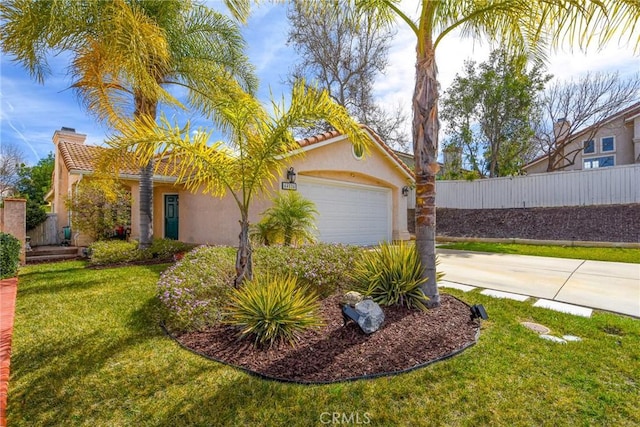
[292, 218]
[126, 53]
[520, 26]
[258, 147]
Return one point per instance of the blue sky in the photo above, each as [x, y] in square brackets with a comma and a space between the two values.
[30, 112]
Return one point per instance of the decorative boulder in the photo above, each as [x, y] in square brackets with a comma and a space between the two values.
[371, 316]
[352, 298]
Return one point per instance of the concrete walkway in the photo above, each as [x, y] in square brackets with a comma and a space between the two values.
[609, 286]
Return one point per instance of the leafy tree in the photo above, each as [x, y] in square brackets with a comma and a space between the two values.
[291, 219]
[258, 147]
[520, 26]
[11, 160]
[489, 110]
[125, 54]
[570, 107]
[34, 183]
[345, 57]
[98, 206]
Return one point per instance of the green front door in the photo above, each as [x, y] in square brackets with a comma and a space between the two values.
[171, 216]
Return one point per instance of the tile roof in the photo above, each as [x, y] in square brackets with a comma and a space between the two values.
[80, 157]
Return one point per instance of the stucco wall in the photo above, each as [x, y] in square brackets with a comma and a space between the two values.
[207, 219]
[624, 151]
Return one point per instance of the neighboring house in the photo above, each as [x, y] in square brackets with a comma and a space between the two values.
[359, 198]
[614, 141]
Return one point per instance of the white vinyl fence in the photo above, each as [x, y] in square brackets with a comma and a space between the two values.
[604, 186]
[46, 233]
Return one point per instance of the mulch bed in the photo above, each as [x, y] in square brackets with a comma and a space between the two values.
[407, 339]
[612, 223]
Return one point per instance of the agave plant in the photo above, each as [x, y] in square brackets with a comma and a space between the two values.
[391, 275]
[271, 309]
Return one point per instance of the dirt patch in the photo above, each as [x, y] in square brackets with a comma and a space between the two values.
[407, 339]
[613, 223]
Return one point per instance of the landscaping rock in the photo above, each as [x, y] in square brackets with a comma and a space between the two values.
[571, 338]
[352, 298]
[536, 327]
[371, 316]
[553, 339]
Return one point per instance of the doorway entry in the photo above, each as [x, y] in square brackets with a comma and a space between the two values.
[171, 216]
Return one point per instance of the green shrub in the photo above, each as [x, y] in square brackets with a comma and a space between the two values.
[115, 251]
[323, 267]
[166, 248]
[270, 309]
[9, 255]
[193, 291]
[390, 274]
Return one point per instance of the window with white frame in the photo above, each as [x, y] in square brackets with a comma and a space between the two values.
[607, 144]
[589, 147]
[599, 162]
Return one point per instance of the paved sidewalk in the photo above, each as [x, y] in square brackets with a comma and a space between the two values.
[610, 286]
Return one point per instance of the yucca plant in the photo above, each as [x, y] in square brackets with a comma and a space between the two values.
[391, 275]
[270, 309]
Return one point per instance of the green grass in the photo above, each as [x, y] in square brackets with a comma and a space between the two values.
[574, 252]
[88, 351]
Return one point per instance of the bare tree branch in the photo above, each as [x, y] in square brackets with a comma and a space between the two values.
[580, 107]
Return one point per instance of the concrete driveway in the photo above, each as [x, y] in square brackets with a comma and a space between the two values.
[610, 286]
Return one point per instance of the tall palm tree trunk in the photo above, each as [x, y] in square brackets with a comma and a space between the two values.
[146, 205]
[425, 146]
[148, 108]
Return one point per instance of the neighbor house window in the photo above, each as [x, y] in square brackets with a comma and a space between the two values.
[608, 144]
[599, 162]
[589, 147]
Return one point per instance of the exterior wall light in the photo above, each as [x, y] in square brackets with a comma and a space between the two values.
[405, 191]
[291, 175]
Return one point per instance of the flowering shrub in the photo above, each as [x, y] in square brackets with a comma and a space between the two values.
[323, 267]
[193, 290]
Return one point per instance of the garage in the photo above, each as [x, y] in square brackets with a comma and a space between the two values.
[347, 212]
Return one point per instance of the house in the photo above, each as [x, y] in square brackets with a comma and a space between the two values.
[360, 198]
[614, 141]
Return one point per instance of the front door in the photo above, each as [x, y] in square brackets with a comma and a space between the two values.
[171, 216]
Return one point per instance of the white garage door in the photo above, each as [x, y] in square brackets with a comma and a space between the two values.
[349, 213]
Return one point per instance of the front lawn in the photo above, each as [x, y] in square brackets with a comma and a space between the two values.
[88, 351]
[573, 252]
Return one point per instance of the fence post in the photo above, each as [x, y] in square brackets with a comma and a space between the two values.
[14, 222]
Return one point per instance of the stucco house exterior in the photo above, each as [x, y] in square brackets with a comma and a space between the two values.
[615, 141]
[359, 197]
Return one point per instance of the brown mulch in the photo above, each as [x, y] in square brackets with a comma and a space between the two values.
[407, 339]
[612, 223]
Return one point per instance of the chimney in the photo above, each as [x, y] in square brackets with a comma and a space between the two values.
[561, 129]
[68, 135]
